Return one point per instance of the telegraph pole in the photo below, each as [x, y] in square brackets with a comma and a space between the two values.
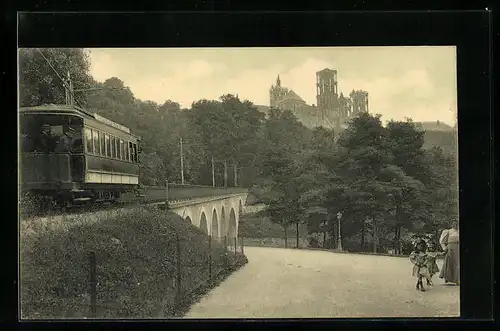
[213, 172]
[182, 165]
[235, 175]
[225, 174]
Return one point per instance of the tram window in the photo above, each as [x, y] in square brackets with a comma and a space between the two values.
[132, 158]
[102, 144]
[127, 151]
[95, 141]
[113, 147]
[117, 147]
[134, 154]
[108, 145]
[121, 150]
[88, 140]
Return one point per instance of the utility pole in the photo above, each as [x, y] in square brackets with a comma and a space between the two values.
[225, 174]
[235, 174]
[213, 172]
[182, 165]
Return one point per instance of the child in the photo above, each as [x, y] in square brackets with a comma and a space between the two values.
[432, 254]
[419, 259]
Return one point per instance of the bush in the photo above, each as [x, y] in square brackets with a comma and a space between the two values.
[136, 264]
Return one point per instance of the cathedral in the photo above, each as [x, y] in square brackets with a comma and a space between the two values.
[332, 110]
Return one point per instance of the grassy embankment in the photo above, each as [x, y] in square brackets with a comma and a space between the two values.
[260, 231]
[136, 265]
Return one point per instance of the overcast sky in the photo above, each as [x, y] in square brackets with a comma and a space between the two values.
[416, 82]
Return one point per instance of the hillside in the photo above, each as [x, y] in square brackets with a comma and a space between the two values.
[136, 254]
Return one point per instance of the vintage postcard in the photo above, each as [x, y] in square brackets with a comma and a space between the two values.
[291, 182]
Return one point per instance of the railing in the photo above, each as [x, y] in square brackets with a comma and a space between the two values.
[178, 192]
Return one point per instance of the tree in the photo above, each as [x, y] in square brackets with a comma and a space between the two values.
[282, 168]
[40, 84]
[442, 191]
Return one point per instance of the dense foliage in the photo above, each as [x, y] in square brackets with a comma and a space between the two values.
[136, 265]
[383, 179]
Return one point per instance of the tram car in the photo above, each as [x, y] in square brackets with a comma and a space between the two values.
[74, 156]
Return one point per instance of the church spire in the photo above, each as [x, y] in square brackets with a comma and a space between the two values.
[278, 81]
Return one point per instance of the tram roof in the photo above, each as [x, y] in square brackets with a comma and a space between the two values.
[69, 108]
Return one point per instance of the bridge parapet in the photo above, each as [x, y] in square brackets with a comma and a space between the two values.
[179, 192]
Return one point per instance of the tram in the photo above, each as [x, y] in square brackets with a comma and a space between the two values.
[74, 156]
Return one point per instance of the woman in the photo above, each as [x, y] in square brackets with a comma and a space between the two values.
[450, 243]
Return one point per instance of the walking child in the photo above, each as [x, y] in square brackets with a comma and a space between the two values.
[420, 267]
[432, 254]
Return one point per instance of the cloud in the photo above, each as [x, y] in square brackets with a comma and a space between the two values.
[103, 66]
[195, 68]
[302, 78]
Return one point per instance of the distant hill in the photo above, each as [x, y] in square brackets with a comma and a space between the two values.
[434, 126]
[439, 134]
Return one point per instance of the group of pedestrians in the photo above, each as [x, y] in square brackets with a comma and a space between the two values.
[424, 257]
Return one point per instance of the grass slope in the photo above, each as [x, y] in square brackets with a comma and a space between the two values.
[136, 266]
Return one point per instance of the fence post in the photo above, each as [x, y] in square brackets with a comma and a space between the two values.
[93, 284]
[210, 257]
[178, 253]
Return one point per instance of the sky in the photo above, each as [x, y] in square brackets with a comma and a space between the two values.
[415, 82]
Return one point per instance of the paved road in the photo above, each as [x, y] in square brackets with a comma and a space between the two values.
[286, 283]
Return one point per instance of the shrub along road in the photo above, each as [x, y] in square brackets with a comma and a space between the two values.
[287, 283]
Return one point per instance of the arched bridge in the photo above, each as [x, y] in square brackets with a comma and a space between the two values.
[215, 210]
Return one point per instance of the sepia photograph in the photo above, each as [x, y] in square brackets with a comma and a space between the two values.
[224, 183]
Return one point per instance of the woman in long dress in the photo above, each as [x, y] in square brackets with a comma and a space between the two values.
[449, 241]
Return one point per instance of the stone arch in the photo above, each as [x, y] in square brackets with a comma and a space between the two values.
[223, 226]
[188, 219]
[215, 224]
[203, 223]
[232, 224]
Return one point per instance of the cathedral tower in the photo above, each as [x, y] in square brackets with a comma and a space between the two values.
[359, 101]
[276, 93]
[327, 89]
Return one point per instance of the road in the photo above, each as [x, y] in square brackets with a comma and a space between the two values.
[287, 283]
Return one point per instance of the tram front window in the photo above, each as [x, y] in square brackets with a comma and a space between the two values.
[46, 133]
